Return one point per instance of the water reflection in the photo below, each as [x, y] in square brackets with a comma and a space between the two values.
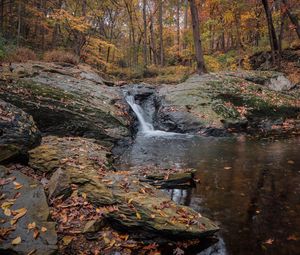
[251, 188]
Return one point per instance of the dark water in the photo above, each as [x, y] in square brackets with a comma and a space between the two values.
[256, 202]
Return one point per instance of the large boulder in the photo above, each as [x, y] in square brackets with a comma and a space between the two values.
[25, 225]
[67, 100]
[228, 101]
[140, 207]
[18, 132]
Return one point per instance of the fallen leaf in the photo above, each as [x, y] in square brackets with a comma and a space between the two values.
[31, 252]
[16, 241]
[18, 214]
[138, 216]
[31, 225]
[227, 167]
[291, 162]
[36, 233]
[67, 240]
[7, 204]
[7, 212]
[83, 195]
[269, 241]
[293, 238]
[130, 200]
[17, 185]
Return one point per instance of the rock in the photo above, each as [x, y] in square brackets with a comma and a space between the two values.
[140, 207]
[93, 226]
[173, 180]
[33, 199]
[55, 152]
[18, 132]
[68, 100]
[280, 83]
[225, 102]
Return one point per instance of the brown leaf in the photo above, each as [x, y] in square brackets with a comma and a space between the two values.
[17, 185]
[67, 240]
[36, 233]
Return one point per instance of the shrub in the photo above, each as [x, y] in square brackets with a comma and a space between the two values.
[20, 55]
[61, 56]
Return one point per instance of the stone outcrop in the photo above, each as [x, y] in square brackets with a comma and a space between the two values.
[214, 104]
[18, 132]
[66, 100]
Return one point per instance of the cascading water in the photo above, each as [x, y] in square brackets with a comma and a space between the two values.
[146, 127]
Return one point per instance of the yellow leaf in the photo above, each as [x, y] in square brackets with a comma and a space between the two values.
[16, 241]
[43, 229]
[7, 204]
[138, 216]
[31, 225]
[130, 200]
[18, 214]
[83, 195]
[7, 212]
[67, 240]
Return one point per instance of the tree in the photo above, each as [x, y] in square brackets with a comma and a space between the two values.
[160, 20]
[201, 69]
[292, 17]
[272, 34]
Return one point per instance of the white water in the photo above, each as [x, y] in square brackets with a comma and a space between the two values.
[146, 127]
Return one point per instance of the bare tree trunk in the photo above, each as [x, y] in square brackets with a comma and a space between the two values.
[185, 21]
[2, 16]
[201, 69]
[145, 34]
[153, 44]
[272, 33]
[160, 18]
[178, 26]
[292, 17]
[84, 7]
[19, 22]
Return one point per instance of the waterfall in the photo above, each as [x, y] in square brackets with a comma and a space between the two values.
[145, 126]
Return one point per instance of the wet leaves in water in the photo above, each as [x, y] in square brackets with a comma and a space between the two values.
[269, 241]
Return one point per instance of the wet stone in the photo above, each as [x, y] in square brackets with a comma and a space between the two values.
[25, 194]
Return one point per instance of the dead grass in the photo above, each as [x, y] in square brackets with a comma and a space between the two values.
[61, 56]
[21, 55]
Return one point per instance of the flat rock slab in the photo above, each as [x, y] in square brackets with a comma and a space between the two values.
[141, 208]
[18, 132]
[24, 194]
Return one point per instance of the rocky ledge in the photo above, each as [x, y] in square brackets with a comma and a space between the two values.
[259, 103]
[66, 100]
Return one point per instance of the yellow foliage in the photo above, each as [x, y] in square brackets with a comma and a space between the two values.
[212, 64]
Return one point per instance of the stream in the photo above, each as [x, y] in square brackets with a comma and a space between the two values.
[250, 188]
